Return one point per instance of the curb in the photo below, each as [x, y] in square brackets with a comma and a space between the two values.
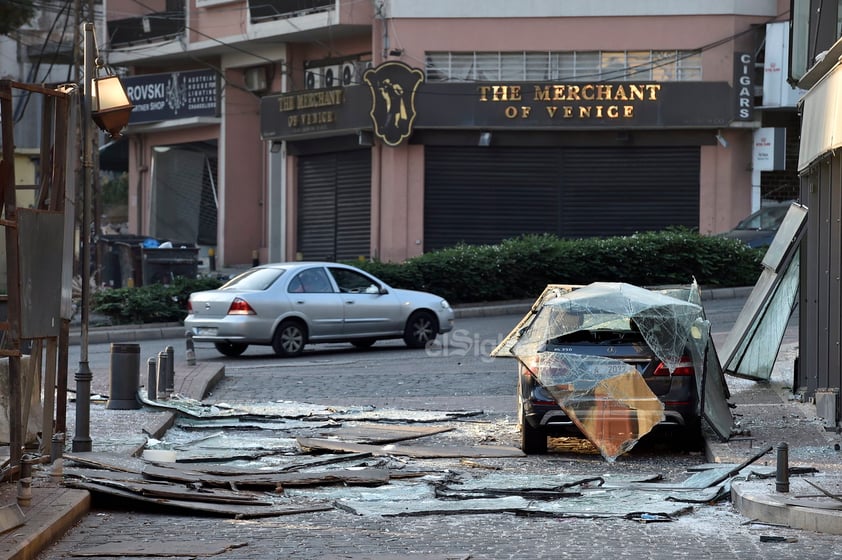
[758, 502]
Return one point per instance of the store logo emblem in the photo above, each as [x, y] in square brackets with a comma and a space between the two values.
[393, 86]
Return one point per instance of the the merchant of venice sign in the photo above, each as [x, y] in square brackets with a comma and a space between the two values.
[569, 101]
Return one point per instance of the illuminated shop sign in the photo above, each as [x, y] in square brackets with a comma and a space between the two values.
[175, 95]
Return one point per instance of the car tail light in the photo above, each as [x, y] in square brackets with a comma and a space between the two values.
[240, 307]
[685, 367]
[189, 306]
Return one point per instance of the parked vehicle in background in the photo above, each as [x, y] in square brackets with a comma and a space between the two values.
[289, 305]
[759, 229]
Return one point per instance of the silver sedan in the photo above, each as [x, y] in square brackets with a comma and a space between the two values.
[288, 305]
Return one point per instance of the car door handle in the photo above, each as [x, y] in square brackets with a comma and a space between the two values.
[349, 301]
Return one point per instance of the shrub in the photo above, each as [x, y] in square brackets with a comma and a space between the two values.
[517, 268]
[151, 303]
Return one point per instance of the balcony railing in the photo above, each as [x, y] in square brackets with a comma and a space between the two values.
[149, 28]
[261, 10]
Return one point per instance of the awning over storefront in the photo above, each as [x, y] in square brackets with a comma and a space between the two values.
[821, 128]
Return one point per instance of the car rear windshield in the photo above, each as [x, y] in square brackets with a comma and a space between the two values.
[254, 279]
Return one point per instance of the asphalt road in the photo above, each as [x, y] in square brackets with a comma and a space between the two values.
[457, 374]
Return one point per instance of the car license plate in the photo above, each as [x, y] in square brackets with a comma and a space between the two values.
[206, 331]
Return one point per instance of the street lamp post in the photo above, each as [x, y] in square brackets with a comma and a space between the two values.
[105, 103]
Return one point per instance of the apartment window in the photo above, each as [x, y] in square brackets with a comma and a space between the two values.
[662, 66]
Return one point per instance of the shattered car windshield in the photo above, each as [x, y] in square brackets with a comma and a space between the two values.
[586, 346]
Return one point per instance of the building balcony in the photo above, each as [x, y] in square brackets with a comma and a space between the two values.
[149, 28]
[265, 10]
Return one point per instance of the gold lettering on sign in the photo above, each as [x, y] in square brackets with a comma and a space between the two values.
[309, 108]
[573, 101]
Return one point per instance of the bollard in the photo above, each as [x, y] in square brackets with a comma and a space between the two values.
[170, 368]
[57, 447]
[25, 481]
[125, 376]
[57, 456]
[152, 379]
[191, 349]
[782, 472]
[162, 374]
[212, 259]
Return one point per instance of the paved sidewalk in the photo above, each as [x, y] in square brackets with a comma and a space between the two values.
[765, 413]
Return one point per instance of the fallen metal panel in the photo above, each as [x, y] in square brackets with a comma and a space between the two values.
[365, 476]
[110, 461]
[169, 490]
[411, 451]
[169, 549]
[374, 433]
[312, 412]
[237, 511]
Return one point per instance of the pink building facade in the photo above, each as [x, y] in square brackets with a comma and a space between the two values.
[276, 130]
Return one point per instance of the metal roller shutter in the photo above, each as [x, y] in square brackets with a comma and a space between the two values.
[483, 195]
[334, 205]
[620, 191]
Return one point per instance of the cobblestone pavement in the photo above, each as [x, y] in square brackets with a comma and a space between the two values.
[711, 531]
[716, 533]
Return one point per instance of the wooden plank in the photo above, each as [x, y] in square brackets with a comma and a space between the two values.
[417, 451]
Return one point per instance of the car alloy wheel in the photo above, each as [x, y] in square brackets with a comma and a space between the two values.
[289, 339]
[421, 329]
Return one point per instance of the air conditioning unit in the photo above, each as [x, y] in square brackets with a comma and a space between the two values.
[255, 78]
[349, 73]
[313, 78]
[331, 76]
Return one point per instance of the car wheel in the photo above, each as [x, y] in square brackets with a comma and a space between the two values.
[532, 440]
[421, 328]
[230, 349]
[289, 339]
[364, 342]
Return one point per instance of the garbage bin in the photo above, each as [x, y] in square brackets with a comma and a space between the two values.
[161, 265]
[125, 376]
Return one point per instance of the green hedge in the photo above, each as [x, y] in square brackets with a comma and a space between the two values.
[521, 267]
[517, 268]
[153, 303]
